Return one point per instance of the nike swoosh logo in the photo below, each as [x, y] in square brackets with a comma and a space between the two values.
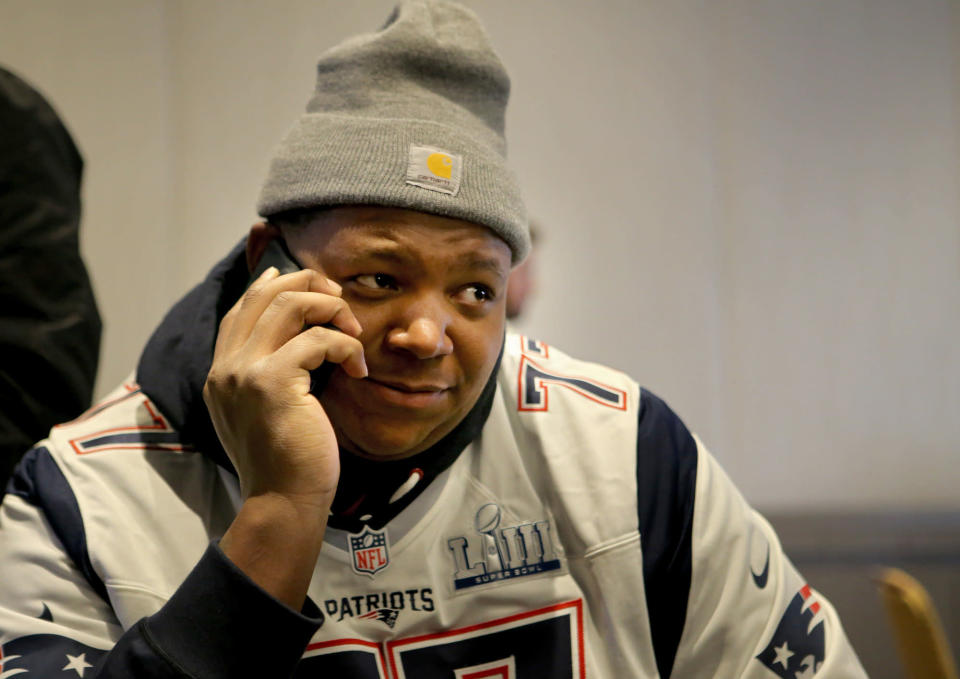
[761, 579]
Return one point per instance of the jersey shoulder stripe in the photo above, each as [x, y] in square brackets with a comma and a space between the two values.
[666, 488]
[39, 481]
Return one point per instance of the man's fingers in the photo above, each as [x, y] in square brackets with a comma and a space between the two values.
[328, 286]
[228, 322]
[318, 345]
[239, 322]
[291, 311]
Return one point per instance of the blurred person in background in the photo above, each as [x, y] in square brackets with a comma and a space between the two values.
[49, 324]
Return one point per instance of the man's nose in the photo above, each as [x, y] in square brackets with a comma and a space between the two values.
[423, 333]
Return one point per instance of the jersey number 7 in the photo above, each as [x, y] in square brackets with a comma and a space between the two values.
[534, 381]
[544, 643]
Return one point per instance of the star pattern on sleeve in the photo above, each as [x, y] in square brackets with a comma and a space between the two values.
[797, 647]
[783, 654]
[48, 655]
[77, 663]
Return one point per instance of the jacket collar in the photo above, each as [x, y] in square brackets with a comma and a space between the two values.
[174, 364]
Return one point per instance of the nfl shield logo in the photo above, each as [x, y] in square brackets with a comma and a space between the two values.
[368, 552]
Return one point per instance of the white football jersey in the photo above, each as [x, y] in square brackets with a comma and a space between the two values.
[584, 533]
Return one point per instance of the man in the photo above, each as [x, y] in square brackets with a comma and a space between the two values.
[349, 471]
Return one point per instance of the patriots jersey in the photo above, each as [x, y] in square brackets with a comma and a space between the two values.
[584, 533]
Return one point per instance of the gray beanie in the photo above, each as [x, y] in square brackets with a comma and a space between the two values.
[411, 116]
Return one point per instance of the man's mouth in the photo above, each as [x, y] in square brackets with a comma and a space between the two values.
[410, 388]
[409, 394]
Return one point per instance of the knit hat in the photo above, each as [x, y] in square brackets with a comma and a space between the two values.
[411, 116]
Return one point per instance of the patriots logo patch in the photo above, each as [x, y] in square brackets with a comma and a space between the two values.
[388, 616]
[797, 647]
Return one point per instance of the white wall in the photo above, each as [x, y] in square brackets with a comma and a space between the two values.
[752, 206]
[105, 67]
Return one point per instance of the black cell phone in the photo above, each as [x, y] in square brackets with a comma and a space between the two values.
[276, 254]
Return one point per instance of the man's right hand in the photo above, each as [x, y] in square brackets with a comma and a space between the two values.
[273, 429]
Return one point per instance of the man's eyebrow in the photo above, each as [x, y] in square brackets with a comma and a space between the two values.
[396, 255]
[478, 261]
[388, 253]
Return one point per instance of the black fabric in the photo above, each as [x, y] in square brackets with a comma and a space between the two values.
[174, 365]
[39, 481]
[136, 655]
[254, 636]
[49, 324]
[666, 488]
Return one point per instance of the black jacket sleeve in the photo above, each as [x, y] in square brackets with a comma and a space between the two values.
[217, 624]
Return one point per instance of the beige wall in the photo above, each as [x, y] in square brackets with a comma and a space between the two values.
[751, 206]
[108, 73]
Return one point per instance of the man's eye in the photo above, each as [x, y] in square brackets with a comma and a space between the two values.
[476, 294]
[377, 281]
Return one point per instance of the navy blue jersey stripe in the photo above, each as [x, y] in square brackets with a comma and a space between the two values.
[666, 485]
[133, 437]
[39, 481]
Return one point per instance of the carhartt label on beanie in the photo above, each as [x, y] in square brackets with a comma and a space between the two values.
[434, 169]
[411, 116]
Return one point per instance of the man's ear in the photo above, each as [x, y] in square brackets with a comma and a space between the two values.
[260, 235]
